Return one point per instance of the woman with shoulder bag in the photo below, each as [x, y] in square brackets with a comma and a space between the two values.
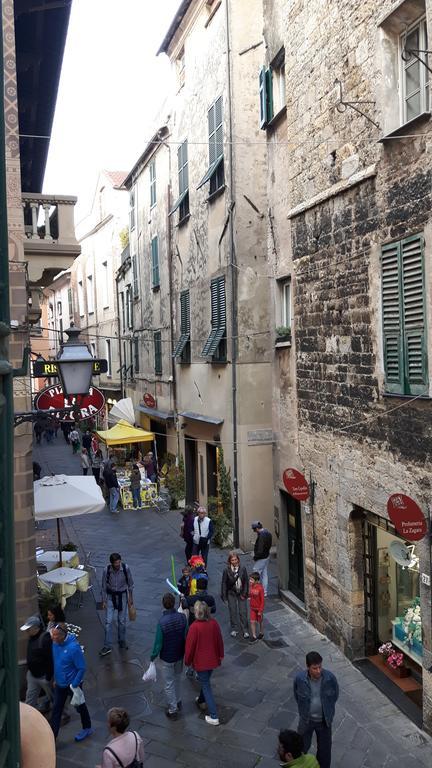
[235, 592]
[126, 749]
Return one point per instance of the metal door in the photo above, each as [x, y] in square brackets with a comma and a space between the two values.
[369, 553]
[295, 549]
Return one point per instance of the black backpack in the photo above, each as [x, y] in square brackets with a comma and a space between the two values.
[135, 762]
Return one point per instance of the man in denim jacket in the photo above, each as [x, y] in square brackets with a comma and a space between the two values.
[316, 692]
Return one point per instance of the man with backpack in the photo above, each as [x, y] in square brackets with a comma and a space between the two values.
[39, 663]
[117, 595]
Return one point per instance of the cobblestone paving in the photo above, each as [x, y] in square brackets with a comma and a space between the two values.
[253, 688]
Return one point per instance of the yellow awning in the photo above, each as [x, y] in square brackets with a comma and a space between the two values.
[122, 433]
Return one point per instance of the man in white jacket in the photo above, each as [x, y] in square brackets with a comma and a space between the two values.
[203, 532]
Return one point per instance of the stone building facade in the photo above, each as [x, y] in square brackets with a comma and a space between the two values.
[350, 200]
[218, 233]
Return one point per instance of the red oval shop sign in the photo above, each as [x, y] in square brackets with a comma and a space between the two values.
[296, 484]
[149, 400]
[407, 517]
[52, 399]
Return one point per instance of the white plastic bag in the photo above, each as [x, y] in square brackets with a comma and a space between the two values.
[78, 697]
[150, 674]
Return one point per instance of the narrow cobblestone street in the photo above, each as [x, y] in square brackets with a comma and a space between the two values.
[254, 685]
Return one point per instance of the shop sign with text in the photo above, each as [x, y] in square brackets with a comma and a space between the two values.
[296, 484]
[53, 399]
[407, 517]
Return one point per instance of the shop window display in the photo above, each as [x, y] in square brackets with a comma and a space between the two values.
[398, 590]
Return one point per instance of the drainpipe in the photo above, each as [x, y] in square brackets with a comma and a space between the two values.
[9, 696]
[233, 274]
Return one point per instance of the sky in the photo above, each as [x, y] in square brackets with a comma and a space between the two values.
[111, 87]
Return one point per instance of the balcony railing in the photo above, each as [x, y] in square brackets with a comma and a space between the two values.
[50, 245]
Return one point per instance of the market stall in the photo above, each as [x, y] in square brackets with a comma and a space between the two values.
[125, 442]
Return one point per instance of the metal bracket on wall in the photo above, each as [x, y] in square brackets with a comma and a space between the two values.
[408, 52]
[342, 105]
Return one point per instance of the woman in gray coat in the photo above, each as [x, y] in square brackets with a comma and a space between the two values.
[235, 591]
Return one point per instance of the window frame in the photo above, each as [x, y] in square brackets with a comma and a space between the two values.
[152, 174]
[129, 307]
[285, 310]
[155, 266]
[132, 209]
[157, 342]
[424, 76]
[70, 302]
[215, 173]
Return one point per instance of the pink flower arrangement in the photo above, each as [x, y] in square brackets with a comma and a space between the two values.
[386, 649]
[395, 660]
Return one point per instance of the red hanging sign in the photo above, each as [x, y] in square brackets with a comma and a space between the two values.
[149, 400]
[296, 484]
[52, 399]
[407, 517]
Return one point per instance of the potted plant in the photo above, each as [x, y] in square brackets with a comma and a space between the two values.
[283, 333]
[394, 660]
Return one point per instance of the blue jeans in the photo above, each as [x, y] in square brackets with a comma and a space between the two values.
[206, 693]
[60, 696]
[261, 567]
[114, 498]
[136, 495]
[171, 675]
[121, 621]
[324, 741]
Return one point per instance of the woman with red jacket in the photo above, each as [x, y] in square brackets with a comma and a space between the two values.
[204, 652]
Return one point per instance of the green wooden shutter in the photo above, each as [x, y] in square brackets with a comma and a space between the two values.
[221, 303]
[269, 105]
[155, 262]
[392, 317]
[185, 312]
[212, 134]
[413, 304]
[218, 127]
[263, 97]
[157, 338]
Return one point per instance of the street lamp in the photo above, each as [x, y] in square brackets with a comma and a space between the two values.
[75, 365]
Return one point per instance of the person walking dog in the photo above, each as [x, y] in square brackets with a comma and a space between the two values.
[235, 591]
[117, 595]
[169, 645]
[204, 652]
[316, 692]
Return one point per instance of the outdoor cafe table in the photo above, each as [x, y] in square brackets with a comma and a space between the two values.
[51, 559]
[63, 578]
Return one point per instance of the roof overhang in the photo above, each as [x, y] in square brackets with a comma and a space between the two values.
[40, 37]
[216, 420]
[154, 414]
[177, 20]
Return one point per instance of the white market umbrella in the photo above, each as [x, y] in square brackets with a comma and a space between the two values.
[123, 410]
[61, 496]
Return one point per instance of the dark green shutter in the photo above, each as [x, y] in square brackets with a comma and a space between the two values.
[157, 352]
[155, 262]
[136, 355]
[412, 253]
[392, 317]
[211, 134]
[269, 105]
[180, 348]
[218, 316]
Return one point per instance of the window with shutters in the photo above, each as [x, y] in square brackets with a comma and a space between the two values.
[403, 316]
[415, 75]
[182, 202]
[272, 90]
[152, 172]
[215, 346]
[157, 340]
[135, 281]
[182, 350]
[155, 263]
[132, 210]
[215, 173]
[135, 358]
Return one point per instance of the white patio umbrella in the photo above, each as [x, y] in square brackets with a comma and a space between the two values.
[123, 410]
[61, 496]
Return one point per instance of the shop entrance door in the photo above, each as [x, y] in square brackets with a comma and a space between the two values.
[191, 469]
[160, 430]
[295, 547]
[211, 451]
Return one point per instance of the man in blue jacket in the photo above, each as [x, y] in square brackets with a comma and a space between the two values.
[169, 645]
[316, 692]
[69, 669]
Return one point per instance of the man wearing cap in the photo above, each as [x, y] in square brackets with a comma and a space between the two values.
[262, 552]
[69, 669]
[39, 663]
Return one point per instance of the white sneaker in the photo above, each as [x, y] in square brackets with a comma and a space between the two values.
[233, 633]
[211, 720]
[245, 635]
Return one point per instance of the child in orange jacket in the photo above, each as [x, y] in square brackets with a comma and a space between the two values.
[256, 598]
